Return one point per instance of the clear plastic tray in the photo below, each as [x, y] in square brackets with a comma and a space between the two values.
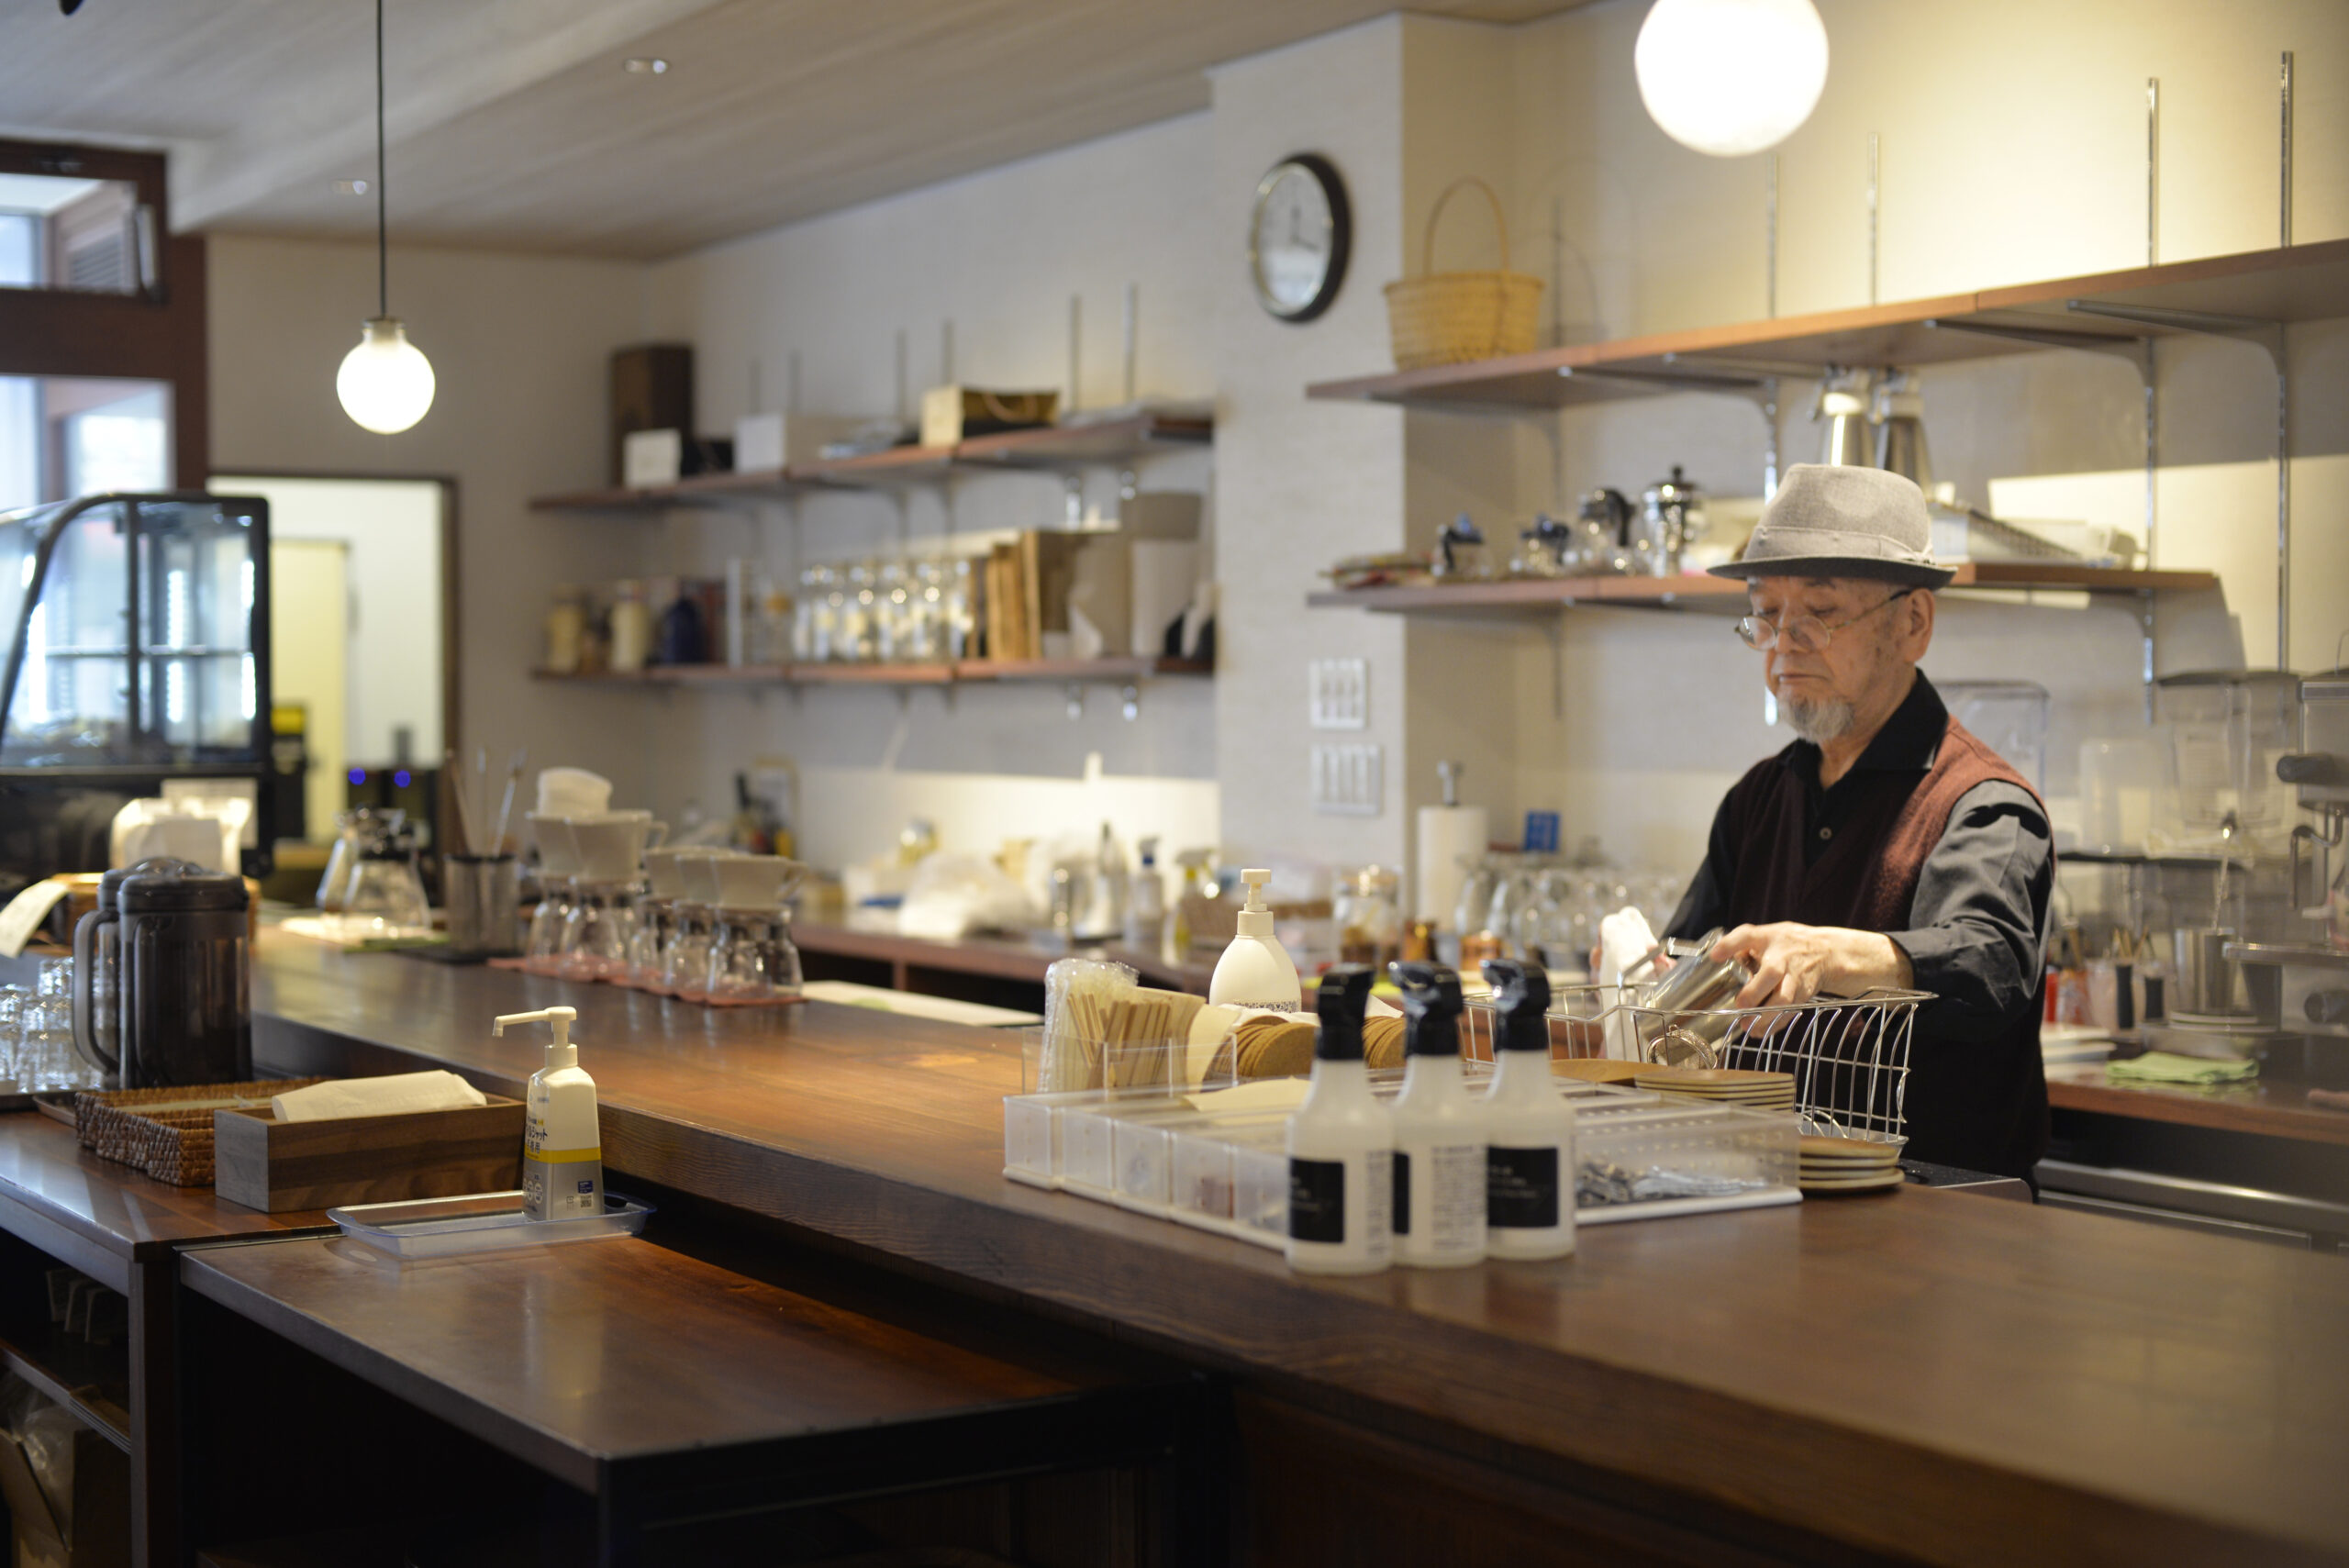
[478, 1222]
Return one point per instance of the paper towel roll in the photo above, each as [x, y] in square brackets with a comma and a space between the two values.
[1452, 839]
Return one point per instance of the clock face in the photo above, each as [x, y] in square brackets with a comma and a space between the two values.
[1298, 242]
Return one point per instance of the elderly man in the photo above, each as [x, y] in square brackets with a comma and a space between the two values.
[1888, 847]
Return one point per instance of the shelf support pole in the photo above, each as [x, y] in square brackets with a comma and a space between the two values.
[2269, 338]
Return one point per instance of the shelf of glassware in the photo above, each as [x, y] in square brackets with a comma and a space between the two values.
[1055, 449]
[1541, 595]
[964, 671]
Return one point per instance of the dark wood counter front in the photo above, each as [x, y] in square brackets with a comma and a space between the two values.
[1923, 1376]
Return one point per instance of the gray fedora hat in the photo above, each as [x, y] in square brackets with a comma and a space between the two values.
[1844, 522]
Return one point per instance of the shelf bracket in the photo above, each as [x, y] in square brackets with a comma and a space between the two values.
[2136, 349]
[2269, 338]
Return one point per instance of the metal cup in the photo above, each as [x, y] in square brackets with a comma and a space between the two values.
[2203, 979]
[482, 893]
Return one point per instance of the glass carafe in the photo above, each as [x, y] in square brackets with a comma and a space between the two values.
[358, 832]
[597, 930]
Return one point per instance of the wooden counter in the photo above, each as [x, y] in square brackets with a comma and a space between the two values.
[1924, 1375]
[2262, 1108]
[118, 1228]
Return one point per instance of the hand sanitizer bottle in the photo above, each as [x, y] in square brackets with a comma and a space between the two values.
[563, 1151]
[1341, 1144]
[1439, 1130]
[1255, 971]
[1529, 1127]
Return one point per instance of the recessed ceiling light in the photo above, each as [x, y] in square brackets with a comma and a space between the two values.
[647, 65]
[351, 187]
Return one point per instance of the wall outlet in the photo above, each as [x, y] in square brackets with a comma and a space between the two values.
[1341, 693]
[1349, 780]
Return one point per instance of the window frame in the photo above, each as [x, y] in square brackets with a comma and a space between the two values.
[157, 335]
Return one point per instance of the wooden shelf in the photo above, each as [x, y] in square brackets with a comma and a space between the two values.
[2299, 283]
[959, 672]
[1058, 447]
[1541, 595]
[76, 1376]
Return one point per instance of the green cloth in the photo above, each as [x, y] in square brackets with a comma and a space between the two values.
[2168, 1067]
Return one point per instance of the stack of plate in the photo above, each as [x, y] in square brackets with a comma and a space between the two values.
[1849, 1165]
[1723, 1085]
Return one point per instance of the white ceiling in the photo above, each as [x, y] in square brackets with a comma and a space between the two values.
[513, 125]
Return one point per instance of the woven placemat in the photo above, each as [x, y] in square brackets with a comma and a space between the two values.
[167, 1133]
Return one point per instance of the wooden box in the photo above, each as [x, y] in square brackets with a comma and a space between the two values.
[266, 1164]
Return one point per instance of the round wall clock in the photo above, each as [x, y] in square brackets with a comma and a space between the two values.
[1299, 238]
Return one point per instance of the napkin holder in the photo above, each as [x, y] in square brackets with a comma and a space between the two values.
[264, 1163]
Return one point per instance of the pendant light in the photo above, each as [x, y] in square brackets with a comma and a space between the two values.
[385, 382]
[1729, 77]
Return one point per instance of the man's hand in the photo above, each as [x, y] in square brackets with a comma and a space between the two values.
[1793, 964]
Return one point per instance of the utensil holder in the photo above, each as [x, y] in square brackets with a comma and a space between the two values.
[483, 895]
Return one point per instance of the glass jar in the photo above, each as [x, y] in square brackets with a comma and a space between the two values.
[892, 630]
[631, 630]
[1368, 914]
[926, 609]
[859, 630]
[597, 931]
[962, 614]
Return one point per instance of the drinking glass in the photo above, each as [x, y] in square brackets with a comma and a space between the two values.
[46, 1059]
[13, 999]
[753, 958]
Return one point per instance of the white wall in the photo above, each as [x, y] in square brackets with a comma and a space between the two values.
[999, 255]
[519, 346]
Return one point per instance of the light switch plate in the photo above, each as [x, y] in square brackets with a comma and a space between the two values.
[1349, 780]
[1341, 693]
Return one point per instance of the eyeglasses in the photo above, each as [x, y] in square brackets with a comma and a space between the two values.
[1804, 634]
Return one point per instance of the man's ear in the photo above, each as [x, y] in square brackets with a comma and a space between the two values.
[1916, 614]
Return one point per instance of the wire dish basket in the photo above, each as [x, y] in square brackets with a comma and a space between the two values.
[1848, 1056]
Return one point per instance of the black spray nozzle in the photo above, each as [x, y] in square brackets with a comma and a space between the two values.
[1431, 1007]
[1341, 1003]
[1521, 991]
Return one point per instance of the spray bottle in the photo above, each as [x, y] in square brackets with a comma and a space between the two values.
[1255, 971]
[1530, 1128]
[1341, 1144]
[563, 1152]
[1439, 1174]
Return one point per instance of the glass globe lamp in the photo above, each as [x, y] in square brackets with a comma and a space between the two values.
[385, 382]
[1729, 77]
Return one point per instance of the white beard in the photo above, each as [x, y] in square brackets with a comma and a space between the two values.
[1820, 721]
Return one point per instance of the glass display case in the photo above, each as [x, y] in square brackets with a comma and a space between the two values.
[137, 651]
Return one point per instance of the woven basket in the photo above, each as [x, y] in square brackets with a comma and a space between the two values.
[172, 1146]
[1445, 319]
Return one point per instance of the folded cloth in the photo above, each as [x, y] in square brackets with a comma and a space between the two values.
[2168, 1067]
[395, 1095]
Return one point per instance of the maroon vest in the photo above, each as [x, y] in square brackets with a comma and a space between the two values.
[1979, 1105]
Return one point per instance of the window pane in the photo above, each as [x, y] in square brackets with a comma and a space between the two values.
[66, 436]
[63, 233]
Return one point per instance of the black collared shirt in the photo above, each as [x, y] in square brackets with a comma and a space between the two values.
[1978, 924]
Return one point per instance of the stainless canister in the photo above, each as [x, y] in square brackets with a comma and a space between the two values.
[2204, 982]
[1678, 1021]
[482, 894]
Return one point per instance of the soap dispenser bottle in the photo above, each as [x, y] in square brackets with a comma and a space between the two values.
[1529, 1127]
[1255, 971]
[562, 1151]
[1341, 1144]
[1440, 1174]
